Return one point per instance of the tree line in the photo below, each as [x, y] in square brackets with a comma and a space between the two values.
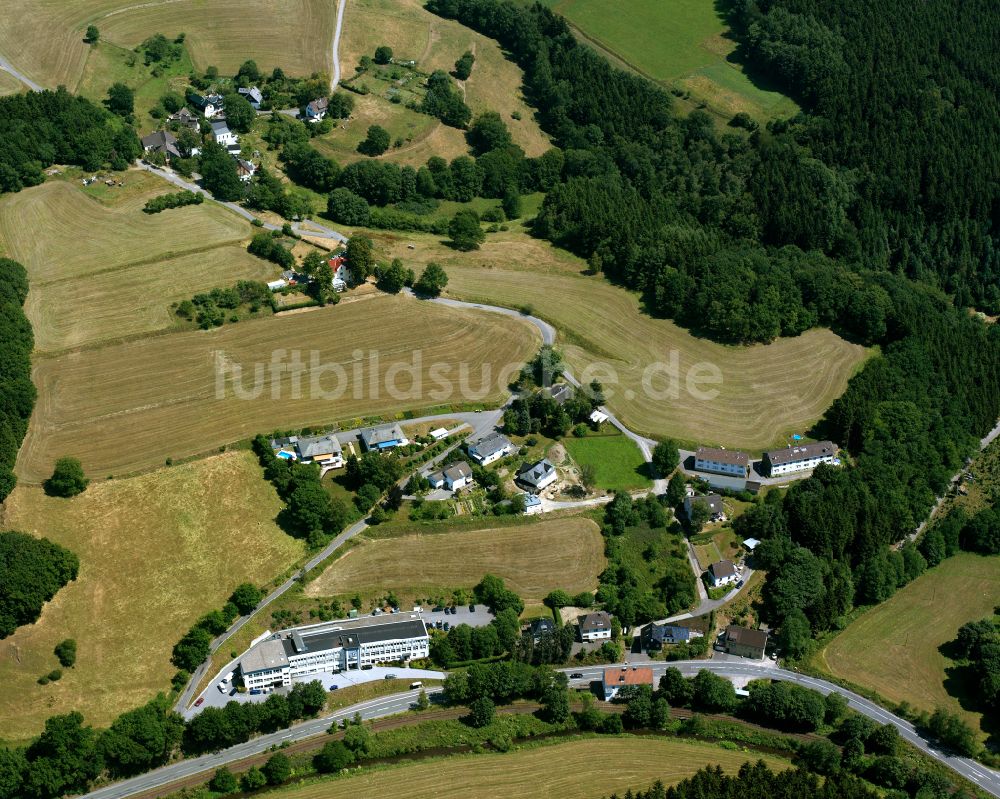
[32, 570]
[17, 392]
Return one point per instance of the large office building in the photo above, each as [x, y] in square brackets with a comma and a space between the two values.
[722, 461]
[333, 647]
[799, 458]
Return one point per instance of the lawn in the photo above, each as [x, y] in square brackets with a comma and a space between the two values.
[579, 769]
[618, 464]
[682, 43]
[533, 558]
[893, 648]
[156, 552]
[128, 406]
[435, 43]
[105, 270]
[766, 391]
[44, 38]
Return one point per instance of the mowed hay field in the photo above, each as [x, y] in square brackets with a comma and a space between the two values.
[128, 406]
[156, 552]
[436, 43]
[103, 270]
[581, 769]
[9, 84]
[766, 392]
[675, 42]
[44, 38]
[533, 559]
[893, 648]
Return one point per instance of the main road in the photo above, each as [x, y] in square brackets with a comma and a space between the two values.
[736, 670]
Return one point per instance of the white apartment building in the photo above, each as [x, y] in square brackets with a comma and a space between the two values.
[333, 647]
[722, 461]
[799, 458]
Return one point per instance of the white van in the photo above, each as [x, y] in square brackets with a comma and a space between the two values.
[415, 685]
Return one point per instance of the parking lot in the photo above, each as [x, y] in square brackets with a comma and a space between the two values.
[462, 615]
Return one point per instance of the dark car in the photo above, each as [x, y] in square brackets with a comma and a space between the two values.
[334, 687]
[472, 608]
[232, 691]
[436, 609]
[576, 676]
[447, 626]
[438, 624]
[454, 611]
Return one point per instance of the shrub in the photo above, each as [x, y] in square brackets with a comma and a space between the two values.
[67, 479]
[65, 652]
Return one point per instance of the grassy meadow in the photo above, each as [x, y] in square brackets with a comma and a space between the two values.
[533, 559]
[156, 552]
[893, 648]
[435, 43]
[44, 38]
[129, 406]
[618, 464]
[9, 84]
[578, 769]
[105, 270]
[766, 391]
[677, 43]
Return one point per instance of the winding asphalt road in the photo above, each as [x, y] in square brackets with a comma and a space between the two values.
[738, 671]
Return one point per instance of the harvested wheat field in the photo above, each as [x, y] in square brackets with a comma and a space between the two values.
[436, 43]
[581, 769]
[533, 559]
[156, 552]
[129, 406]
[766, 391]
[44, 38]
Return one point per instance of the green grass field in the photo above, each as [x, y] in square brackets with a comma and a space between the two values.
[618, 464]
[679, 43]
[580, 769]
[156, 552]
[893, 648]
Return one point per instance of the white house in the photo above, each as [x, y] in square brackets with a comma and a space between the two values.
[221, 134]
[538, 475]
[316, 110]
[722, 572]
[332, 647]
[722, 461]
[458, 476]
[532, 504]
[384, 436]
[618, 677]
[598, 417]
[324, 450]
[799, 458]
[491, 448]
[253, 96]
[209, 104]
[436, 479]
[341, 274]
[595, 626]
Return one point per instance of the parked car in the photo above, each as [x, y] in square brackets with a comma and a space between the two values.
[576, 676]
[739, 584]
[233, 690]
[390, 676]
[200, 700]
[222, 687]
[472, 608]
[334, 687]
[447, 626]
[437, 609]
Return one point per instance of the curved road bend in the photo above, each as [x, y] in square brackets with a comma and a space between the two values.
[985, 778]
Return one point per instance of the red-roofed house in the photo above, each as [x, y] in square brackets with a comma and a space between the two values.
[619, 677]
[341, 275]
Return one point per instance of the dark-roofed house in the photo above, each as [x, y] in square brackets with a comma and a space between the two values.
[560, 392]
[324, 450]
[722, 461]
[595, 626]
[332, 647]
[245, 169]
[221, 134]
[722, 572]
[253, 96]
[619, 677]
[538, 475]
[458, 476]
[490, 448]
[161, 141]
[716, 510]
[541, 627]
[186, 118]
[385, 436]
[799, 458]
[680, 631]
[316, 110]
[745, 642]
[209, 104]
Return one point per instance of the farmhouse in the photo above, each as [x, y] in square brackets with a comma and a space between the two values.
[221, 134]
[538, 475]
[722, 461]
[595, 626]
[384, 436]
[619, 677]
[722, 572]
[332, 647]
[161, 141]
[713, 502]
[745, 642]
[491, 448]
[253, 96]
[799, 458]
[316, 110]
[532, 504]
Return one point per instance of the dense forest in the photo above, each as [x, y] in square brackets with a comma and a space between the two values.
[17, 392]
[39, 129]
[747, 237]
[32, 570]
